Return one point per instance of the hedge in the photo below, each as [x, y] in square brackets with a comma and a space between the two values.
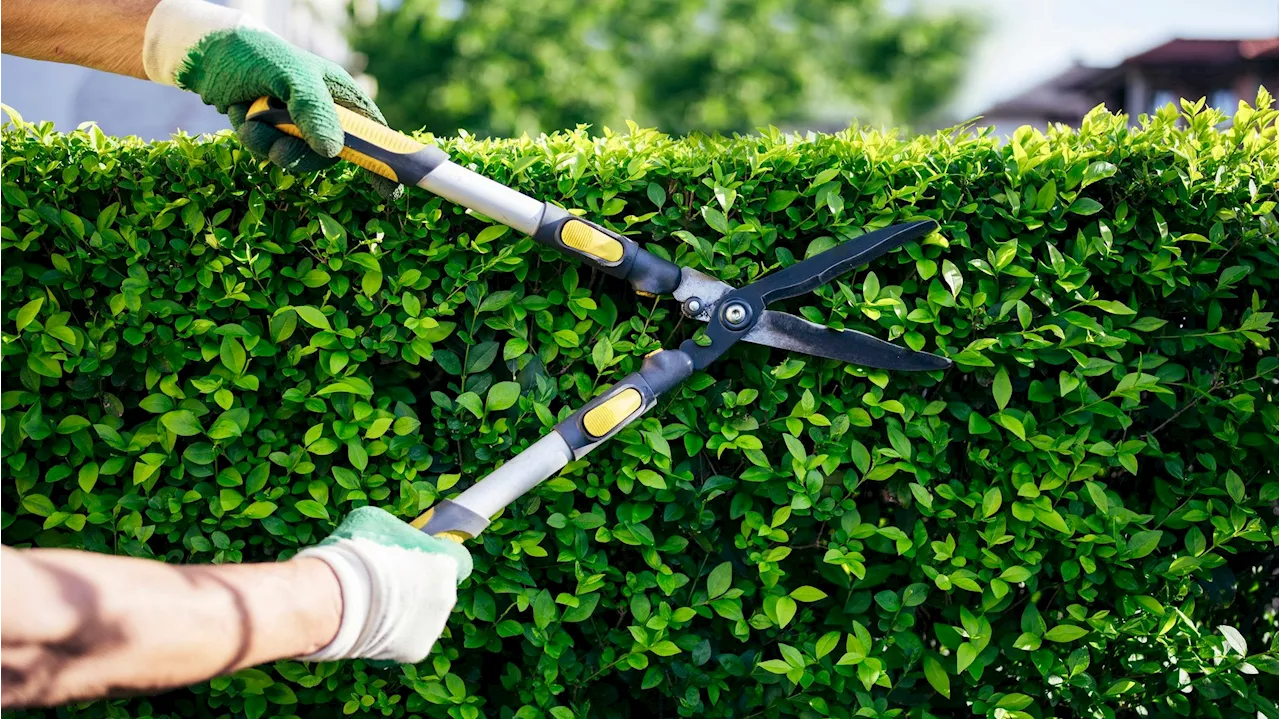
[209, 360]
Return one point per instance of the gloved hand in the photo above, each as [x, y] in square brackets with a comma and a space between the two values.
[229, 61]
[398, 587]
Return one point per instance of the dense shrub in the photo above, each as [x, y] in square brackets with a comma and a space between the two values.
[208, 360]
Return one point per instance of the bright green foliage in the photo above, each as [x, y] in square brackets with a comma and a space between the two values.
[208, 360]
[510, 66]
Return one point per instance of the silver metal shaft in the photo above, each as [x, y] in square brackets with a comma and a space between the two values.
[543, 459]
[492, 199]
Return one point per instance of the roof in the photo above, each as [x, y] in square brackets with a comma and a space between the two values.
[1058, 96]
[1205, 52]
[1068, 95]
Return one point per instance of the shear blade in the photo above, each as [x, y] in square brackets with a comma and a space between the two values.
[796, 334]
[807, 275]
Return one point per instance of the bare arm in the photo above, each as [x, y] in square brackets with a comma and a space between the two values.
[78, 625]
[102, 34]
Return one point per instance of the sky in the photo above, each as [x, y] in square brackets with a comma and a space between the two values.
[1028, 41]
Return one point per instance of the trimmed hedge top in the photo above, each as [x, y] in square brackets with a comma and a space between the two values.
[205, 359]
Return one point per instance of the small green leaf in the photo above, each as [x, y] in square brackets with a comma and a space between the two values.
[1063, 633]
[232, 354]
[807, 593]
[181, 422]
[1143, 543]
[951, 275]
[1002, 389]
[779, 200]
[313, 317]
[1085, 206]
[261, 510]
[28, 312]
[719, 580]
[991, 501]
[786, 610]
[502, 396]
[1235, 639]
[39, 505]
[937, 676]
[312, 508]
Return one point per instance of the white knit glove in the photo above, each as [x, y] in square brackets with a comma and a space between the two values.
[398, 587]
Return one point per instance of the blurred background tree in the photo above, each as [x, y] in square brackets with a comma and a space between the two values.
[503, 67]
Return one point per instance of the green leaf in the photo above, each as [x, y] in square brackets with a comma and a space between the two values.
[779, 200]
[1050, 518]
[232, 354]
[502, 396]
[28, 313]
[1235, 486]
[665, 648]
[937, 676]
[965, 656]
[261, 510]
[775, 666]
[312, 508]
[1085, 206]
[951, 275]
[807, 593]
[1143, 543]
[1098, 496]
[786, 610]
[1013, 424]
[181, 422]
[719, 580]
[544, 610]
[1235, 639]
[88, 476]
[991, 501]
[39, 505]
[72, 423]
[156, 403]
[1002, 389]
[1113, 307]
[657, 195]
[1063, 633]
[312, 316]
[332, 230]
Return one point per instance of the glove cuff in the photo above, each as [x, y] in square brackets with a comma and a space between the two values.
[175, 26]
[355, 583]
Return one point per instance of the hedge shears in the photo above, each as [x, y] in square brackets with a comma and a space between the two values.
[732, 314]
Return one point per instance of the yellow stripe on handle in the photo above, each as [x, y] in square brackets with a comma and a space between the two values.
[603, 418]
[359, 126]
[585, 238]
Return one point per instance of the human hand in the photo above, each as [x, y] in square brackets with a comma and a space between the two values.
[398, 587]
[220, 55]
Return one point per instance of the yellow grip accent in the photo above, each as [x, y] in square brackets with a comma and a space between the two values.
[585, 238]
[603, 419]
[451, 535]
[359, 126]
[422, 519]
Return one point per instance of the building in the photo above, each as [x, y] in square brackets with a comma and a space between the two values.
[68, 95]
[1222, 71]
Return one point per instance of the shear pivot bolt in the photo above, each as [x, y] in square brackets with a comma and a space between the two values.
[693, 307]
[736, 315]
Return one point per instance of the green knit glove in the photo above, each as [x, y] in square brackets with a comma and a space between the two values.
[229, 69]
[223, 56]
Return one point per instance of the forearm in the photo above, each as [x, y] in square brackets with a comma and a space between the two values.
[102, 34]
[79, 625]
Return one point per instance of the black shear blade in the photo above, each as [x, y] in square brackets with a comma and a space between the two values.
[807, 275]
[788, 332]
